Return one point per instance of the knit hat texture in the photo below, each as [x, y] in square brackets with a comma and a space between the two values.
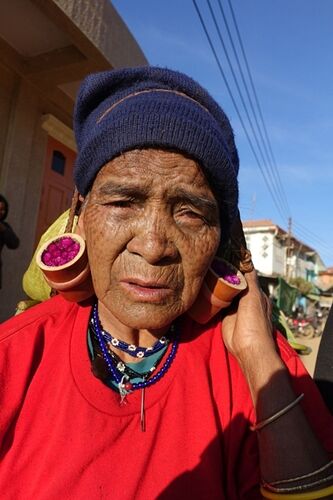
[136, 108]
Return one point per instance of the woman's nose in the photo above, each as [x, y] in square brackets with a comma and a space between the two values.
[154, 246]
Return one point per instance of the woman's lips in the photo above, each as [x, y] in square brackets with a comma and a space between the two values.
[147, 291]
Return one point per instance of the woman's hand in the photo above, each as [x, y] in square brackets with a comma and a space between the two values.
[248, 328]
[287, 448]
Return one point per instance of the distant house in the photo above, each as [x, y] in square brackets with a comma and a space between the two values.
[276, 253]
[325, 279]
[46, 49]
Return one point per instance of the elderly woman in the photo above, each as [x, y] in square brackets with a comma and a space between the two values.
[124, 396]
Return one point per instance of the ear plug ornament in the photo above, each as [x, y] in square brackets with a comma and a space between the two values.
[222, 283]
[63, 261]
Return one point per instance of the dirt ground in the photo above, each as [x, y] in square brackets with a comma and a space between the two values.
[309, 360]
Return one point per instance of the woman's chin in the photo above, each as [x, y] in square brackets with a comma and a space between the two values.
[148, 316]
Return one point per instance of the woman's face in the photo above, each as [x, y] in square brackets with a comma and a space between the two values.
[152, 228]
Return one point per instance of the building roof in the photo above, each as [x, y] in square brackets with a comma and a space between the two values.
[258, 223]
[268, 224]
[328, 271]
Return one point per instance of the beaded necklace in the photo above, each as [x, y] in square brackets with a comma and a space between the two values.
[121, 366]
[124, 368]
[131, 349]
[121, 379]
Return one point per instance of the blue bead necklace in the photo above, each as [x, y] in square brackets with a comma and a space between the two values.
[123, 367]
[122, 380]
[131, 349]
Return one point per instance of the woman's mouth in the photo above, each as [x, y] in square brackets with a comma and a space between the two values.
[147, 291]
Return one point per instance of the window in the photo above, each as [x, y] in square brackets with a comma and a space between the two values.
[58, 162]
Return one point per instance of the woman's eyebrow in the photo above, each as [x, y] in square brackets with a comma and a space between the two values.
[112, 188]
[197, 201]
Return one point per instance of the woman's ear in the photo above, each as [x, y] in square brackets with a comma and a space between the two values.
[79, 228]
[235, 250]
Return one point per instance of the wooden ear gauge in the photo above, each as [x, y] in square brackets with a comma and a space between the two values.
[222, 283]
[64, 263]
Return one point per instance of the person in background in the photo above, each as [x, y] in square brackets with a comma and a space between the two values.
[7, 236]
[125, 396]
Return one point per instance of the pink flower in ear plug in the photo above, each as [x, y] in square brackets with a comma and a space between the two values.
[60, 251]
[226, 272]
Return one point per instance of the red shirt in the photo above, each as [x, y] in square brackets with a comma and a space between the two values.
[64, 434]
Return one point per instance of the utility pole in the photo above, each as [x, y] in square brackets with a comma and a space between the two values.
[288, 249]
[253, 205]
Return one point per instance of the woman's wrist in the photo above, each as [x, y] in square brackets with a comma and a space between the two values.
[285, 427]
[261, 365]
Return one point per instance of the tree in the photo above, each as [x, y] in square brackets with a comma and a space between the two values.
[305, 287]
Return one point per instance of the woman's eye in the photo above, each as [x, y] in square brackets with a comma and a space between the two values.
[191, 214]
[120, 203]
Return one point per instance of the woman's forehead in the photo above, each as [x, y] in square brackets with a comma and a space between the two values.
[152, 166]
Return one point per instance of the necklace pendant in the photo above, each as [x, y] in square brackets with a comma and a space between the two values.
[143, 415]
[122, 389]
[123, 400]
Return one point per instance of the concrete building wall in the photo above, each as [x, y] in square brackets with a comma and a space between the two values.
[279, 257]
[105, 29]
[8, 83]
[40, 71]
[261, 247]
[301, 267]
[21, 173]
[269, 254]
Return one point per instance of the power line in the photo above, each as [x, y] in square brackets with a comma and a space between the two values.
[275, 189]
[257, 100]
[312, 235]
[271, 165]
[236, 107]
[324, 251]
[241, 94]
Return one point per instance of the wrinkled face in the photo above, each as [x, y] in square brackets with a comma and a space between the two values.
[151, 225]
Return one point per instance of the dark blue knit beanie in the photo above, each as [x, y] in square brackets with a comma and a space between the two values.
[136, 108]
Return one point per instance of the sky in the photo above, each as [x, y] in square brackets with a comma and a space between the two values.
[289, 49]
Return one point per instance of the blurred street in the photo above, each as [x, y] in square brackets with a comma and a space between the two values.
[309, 360]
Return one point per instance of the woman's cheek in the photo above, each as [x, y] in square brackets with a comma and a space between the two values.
[196, 260]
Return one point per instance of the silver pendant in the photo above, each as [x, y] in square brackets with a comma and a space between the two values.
[143, 416]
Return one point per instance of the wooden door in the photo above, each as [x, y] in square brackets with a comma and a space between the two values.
[58, 184]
